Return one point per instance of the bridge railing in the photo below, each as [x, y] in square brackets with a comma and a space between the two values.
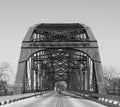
[108, 100]
[17, 97]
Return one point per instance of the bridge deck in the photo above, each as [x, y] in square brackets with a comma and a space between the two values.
[54, 99]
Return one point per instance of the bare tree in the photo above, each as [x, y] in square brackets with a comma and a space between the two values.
[5, 73]
[111, 76]
[4, 68]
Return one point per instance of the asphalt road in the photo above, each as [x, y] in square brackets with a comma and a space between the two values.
[54, 99]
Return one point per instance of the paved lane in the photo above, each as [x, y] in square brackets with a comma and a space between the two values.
[54, 99]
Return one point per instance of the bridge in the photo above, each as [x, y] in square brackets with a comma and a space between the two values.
[60, 66]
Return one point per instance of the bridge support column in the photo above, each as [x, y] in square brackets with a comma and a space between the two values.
[36, 73]
[32, 76]
[20, 78]
[99, 77]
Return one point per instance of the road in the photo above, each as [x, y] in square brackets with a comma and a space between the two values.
[54, 99]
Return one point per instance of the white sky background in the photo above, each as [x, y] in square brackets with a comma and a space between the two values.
[103, 16]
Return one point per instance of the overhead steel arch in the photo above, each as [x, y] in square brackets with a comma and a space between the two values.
[59, 52]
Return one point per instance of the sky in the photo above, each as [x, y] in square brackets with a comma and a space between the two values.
[103, 17]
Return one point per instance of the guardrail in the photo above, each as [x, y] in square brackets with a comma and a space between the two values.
[108, 100]
[17, 97]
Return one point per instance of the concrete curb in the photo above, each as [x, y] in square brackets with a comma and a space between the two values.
[20, 98]
[16, 99]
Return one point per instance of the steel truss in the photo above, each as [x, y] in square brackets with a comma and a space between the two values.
[52, 53]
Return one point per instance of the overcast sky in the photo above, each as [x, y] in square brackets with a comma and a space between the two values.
[103, 16]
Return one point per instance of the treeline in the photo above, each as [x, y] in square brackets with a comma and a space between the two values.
[112, 80]
[5, 74]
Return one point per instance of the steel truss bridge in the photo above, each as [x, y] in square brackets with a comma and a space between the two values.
[62, 60]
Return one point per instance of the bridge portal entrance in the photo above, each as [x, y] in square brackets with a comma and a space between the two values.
[52, 53]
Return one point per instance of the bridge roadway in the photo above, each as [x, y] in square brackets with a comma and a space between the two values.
[54, 99]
